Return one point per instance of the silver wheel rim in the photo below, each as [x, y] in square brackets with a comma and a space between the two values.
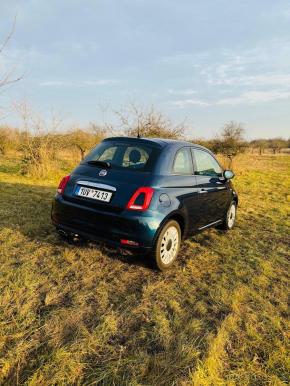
[232, 216]
[169, 245]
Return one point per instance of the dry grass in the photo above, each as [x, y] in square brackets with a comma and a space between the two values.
[90, 315]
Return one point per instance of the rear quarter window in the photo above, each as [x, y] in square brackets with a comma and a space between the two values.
[182, 163]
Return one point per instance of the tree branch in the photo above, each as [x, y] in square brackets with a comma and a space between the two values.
[8, 37]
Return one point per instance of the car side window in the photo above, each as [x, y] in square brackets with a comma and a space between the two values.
[205, 164]
[182, 162]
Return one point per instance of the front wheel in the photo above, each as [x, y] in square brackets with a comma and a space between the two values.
[167, 245]
[230, 219]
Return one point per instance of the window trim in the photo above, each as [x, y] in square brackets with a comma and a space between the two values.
[195, 164]
[192, 165]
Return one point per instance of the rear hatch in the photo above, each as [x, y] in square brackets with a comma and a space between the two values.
[116, 167]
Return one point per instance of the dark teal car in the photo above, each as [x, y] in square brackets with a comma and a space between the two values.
[145, 194]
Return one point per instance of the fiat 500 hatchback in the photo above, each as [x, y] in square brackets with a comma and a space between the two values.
[145, 194]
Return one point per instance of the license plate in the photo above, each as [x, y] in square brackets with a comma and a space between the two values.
[95, 194]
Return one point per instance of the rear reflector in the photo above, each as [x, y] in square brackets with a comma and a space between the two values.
[62, 184]
[147, 193]
[129, 242]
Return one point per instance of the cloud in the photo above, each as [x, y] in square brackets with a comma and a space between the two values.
[255, 97]
[252, 68]
[267, 79]
[193, 102]
[250, 77]
[182, 92]
[285, 13]
[188, 58]
[246, 98]
[80, 83]
[20, 58]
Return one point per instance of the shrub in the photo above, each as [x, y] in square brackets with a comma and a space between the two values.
[9, 139]
[38, 153]
[38, 141]
[84, 139]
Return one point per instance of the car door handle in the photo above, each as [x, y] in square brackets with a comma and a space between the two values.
[203, 191]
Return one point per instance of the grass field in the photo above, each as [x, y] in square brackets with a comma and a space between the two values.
[94, 316]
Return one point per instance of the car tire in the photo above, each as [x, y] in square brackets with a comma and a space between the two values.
[230, 219]
[167, 245]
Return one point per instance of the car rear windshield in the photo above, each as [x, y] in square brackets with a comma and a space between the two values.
[129, 156]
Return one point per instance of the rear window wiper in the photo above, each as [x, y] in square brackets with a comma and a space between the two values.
[103, 164]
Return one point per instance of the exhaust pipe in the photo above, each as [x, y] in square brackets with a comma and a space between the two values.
[69, 236]
[62, 233]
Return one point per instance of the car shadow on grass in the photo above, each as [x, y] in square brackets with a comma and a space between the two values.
[27, 209]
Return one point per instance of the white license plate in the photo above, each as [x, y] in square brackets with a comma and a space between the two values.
[95, 194]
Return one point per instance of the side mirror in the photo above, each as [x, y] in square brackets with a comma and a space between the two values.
[228, 174]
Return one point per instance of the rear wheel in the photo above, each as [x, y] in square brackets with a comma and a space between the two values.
[167, 245]
[230, 219]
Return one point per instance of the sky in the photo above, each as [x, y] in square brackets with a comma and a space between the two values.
[205, 62]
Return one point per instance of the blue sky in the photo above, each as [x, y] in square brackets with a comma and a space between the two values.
[207, 61]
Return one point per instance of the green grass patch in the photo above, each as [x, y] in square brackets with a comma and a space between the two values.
[90, 315]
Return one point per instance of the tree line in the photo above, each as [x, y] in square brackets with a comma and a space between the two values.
[40, 144]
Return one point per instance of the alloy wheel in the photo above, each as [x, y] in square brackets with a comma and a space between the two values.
[169, 245]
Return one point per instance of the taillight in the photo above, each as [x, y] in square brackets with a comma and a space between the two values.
[62, 184]
[141, 199]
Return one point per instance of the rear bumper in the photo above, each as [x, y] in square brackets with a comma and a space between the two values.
[107, 227]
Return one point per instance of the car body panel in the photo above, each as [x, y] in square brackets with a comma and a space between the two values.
[196, 200]
[124, 184]
[105, 226]
[214, 196]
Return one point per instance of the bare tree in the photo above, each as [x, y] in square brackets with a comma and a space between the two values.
[8, 76]
[138, 122]
[106, 126]
[276, 144]
[261, 144]
[231, 141]
[38, 140]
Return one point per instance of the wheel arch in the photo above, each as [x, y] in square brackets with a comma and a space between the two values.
[179, 218]
[236, 199]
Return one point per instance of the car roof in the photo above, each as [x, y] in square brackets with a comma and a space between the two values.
[159, 141]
